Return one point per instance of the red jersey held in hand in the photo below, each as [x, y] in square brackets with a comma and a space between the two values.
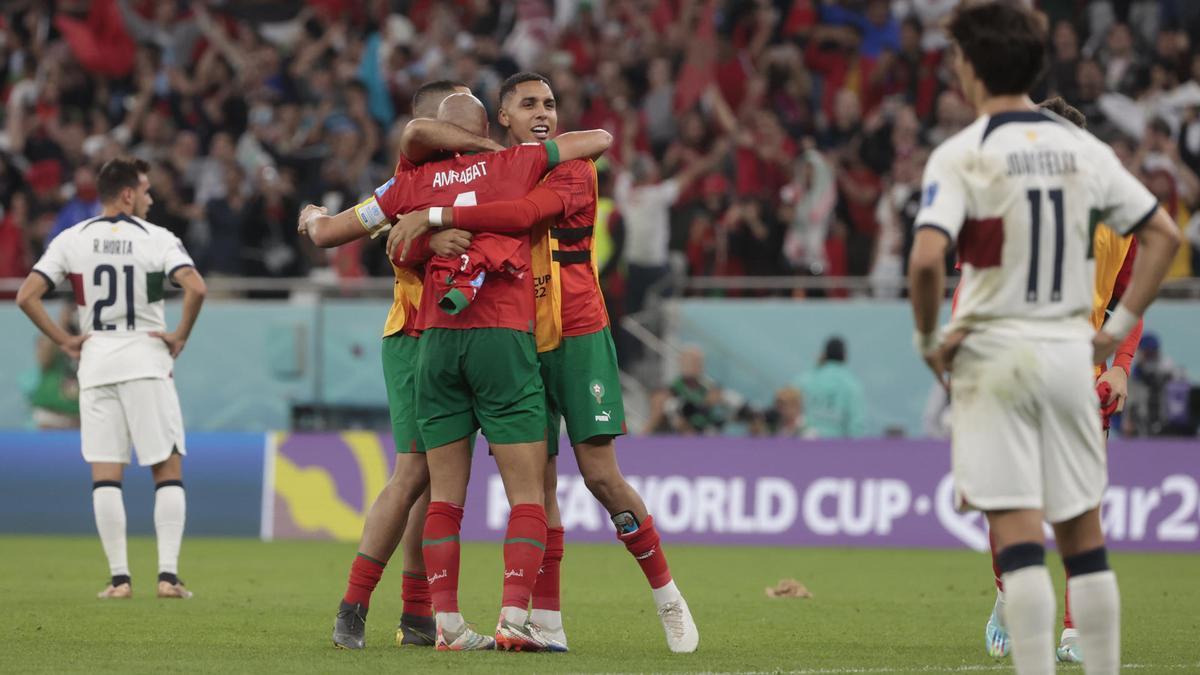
[505, 301]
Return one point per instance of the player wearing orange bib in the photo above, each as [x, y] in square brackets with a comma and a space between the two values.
[576, 354]
[1114, 256]
[398, 514]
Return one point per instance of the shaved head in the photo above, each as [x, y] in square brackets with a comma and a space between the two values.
[466, 111]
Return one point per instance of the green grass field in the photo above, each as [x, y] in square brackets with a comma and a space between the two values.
[269, 607]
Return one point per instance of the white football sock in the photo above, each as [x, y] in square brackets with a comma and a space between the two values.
[1096, 611]
[451, 622]
[999, 607]
[1029, 617]
[108, 504]
[549, 619]
[517, 615]
[666, 593]
[170, 510]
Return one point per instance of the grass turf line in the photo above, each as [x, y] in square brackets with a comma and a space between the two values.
[269, 607]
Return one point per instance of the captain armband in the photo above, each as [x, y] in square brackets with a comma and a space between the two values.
[370, 216]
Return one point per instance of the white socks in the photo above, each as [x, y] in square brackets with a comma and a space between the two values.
[170, 510]
[1029, 617]
[1096, 610]
[666, 593]
[451, 622]
[108, 503]
[517, 615]
[549, 619]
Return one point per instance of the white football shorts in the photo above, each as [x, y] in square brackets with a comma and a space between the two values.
[1026, 431]
[142, 414]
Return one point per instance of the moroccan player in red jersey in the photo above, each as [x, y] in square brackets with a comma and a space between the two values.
[477, 368]
[394, 511]
[578, 359]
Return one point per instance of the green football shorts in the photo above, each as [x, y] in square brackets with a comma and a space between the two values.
[479, 378]
[583, 384]
[400, 378]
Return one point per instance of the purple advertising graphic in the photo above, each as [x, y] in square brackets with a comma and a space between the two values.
[772, 492]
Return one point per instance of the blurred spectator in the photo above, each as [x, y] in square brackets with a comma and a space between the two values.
[15, 259]
[807, 205]
[1124, 66]
[320, 91]
[1149, 411]
[645, 199]
[54, 392]
[694, 403]
[833, 396]
[84, 203]
[785, 417]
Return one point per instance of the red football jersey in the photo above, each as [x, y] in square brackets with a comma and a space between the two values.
[583, 309]
[504, 301]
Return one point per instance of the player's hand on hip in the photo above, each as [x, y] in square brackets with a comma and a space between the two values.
[1103, 346]
[450, 243]
[174, 342]
[73, 345]
[941, 359]
[1118, 383]
[409, 227]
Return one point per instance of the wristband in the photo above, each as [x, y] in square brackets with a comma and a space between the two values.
[435, 216]
[1120, 323]
[370, 216]
[924, 342]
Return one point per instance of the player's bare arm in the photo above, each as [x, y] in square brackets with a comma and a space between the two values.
[194, 290]
[328, 231]
[926, 279]
[588, 144]
[505, 217]
[1158, 240]
[423, 139]
[29, 299]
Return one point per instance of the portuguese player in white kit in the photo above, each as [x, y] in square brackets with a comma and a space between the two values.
[1019, 192]
[117, 264]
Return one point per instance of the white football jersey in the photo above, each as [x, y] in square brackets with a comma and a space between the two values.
[1021, 193]
[117, 267]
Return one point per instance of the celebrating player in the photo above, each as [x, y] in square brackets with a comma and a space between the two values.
[478, 368]
[1018, 191]
[398, 514]
[1114, 257]
[578, 359]
[117, 263]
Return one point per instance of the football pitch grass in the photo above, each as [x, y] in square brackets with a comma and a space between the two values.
[269, 607]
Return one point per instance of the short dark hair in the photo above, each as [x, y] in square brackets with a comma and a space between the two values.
[1004, 42]
[441, 88]
[117, 174]
[835, 349]
[1059, 106]
[510, 85]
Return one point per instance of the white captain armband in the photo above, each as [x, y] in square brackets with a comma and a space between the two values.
[370, 216]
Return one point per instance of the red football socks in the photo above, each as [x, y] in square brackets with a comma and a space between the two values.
[441, 548]
[415, 593]
[645, 547]
[364, 576]
[524, 546]
[546, 588]
[996, 571]
[1067, 622]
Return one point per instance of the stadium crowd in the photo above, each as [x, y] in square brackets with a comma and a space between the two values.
[796, 130]
[755, 137]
